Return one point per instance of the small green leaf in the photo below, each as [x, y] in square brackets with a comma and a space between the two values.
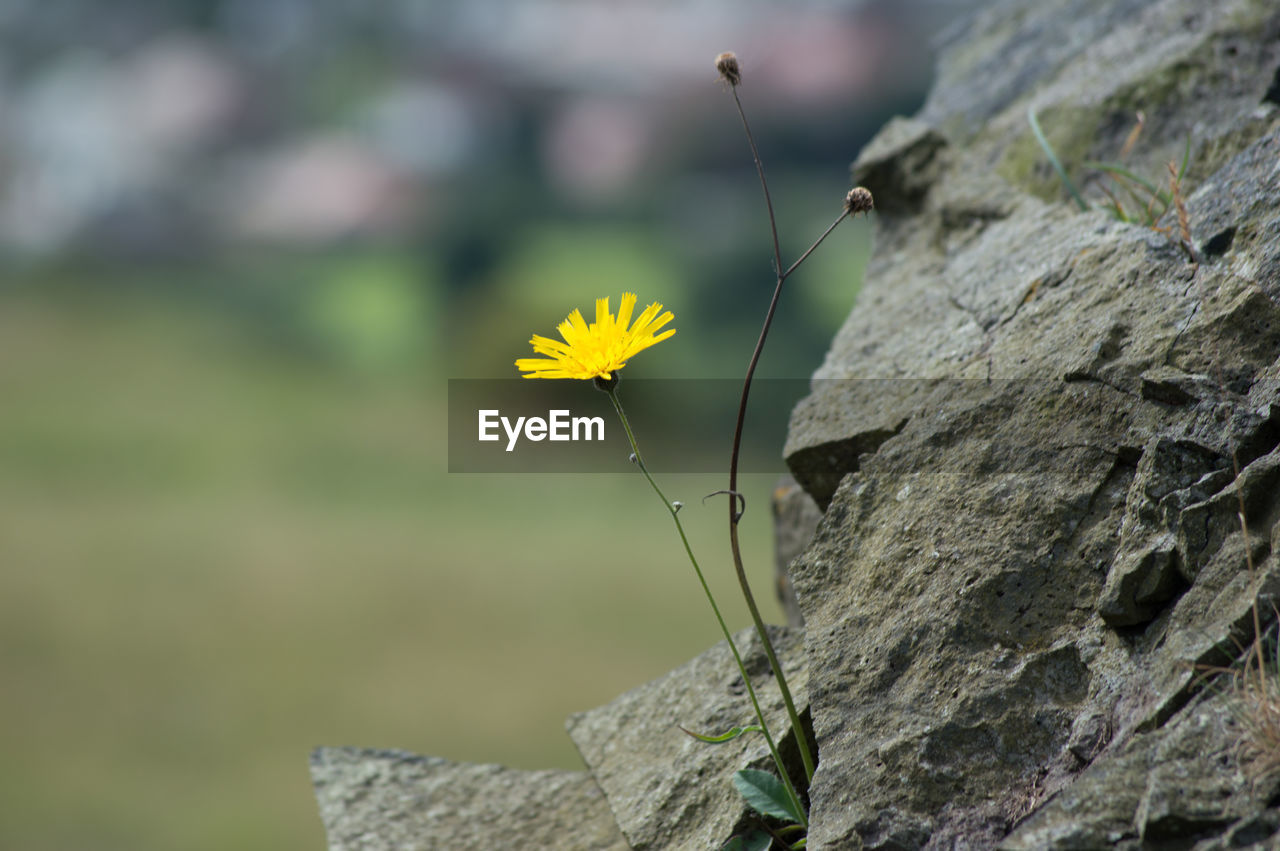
[765, 794]
[756, 840]
[724, 737]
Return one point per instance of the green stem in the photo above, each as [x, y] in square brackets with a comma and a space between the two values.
[706, 589]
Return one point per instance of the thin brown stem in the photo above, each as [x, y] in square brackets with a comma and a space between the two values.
[764, 184]
[802, 740]
[755, 358]
[816, 243]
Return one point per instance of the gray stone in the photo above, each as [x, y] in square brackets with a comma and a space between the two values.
[377, 800]
[1195, 70]
[667, 789]
[1179, 783]
[901, 164]
[795, 519]
[1144, 576]
[1008, 49]
[1025, 441]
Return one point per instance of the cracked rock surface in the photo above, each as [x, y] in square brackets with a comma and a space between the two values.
[1025, 440]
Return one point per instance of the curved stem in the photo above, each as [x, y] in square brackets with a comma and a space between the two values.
[706, 589]
[802, 740]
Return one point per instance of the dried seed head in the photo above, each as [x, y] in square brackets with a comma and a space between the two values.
[727, 65]
[858, 201]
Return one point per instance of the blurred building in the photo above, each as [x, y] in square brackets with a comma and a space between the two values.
[130, 130]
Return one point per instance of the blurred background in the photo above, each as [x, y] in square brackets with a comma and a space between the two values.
[243, 246]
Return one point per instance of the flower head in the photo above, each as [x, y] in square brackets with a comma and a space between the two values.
[599, 349]
[727, 65]
[859, 201]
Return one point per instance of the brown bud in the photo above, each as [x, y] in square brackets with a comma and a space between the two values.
[858, 201]
[727, 65]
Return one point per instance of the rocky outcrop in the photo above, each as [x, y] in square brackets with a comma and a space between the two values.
[1025, 440]
[1031, 444]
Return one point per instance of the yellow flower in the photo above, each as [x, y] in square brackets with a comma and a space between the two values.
[598, 349]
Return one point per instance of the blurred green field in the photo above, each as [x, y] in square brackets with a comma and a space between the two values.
[219, 553]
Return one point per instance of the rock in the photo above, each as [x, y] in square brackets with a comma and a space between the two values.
[667, 789]
[1179, 783]
[1006, 50]
[1088, 67]
[900, 164]
[949, 615]
[1144, 576]
[1032, 440]
[397, 801]
[795, 519]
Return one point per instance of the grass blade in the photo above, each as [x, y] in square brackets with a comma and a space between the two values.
[1053, 160]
